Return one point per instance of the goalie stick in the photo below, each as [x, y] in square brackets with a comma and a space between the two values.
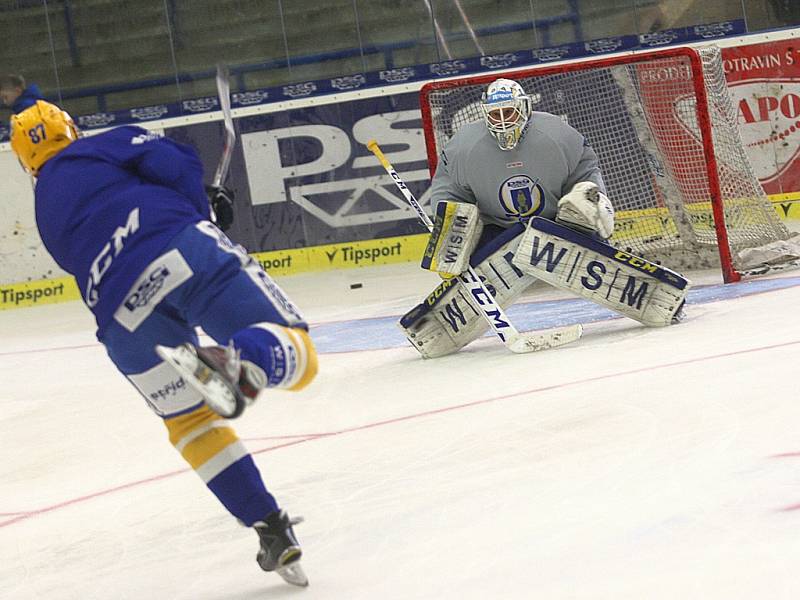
[515, 341]
[224, 91]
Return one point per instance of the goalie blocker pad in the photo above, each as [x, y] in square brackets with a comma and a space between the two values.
[630, 285]
[456, 230]
[449, 318]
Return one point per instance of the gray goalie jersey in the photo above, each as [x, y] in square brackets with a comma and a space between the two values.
[515, 185]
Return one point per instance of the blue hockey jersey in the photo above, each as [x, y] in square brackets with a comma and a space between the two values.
[107, 205]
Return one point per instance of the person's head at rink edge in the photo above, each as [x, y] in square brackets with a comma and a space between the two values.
[18, 95]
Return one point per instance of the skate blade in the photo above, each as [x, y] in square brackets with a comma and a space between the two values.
[293, 574]
[216, 391]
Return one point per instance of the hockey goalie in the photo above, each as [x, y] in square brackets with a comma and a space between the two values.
[519, 196]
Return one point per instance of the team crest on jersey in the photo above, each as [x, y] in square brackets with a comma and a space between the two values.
[521, 197]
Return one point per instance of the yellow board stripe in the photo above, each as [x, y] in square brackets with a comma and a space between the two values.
[647, 221]
[41, 291]
[400, 249]
[350, 255]
[789, 196]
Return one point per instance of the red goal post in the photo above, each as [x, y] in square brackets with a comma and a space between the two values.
[666, 133]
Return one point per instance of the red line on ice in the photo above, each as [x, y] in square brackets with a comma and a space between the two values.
[302, 439]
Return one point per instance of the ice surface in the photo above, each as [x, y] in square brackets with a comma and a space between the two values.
[634, 464]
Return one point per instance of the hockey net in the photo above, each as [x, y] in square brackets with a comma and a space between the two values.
[666, 133]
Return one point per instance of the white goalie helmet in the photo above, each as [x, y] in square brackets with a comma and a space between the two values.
[506, 110]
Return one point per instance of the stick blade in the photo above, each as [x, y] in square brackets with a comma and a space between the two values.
[535, 342]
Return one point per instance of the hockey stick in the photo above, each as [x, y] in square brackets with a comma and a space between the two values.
[224, 91]
[219, 394]
[490, 310]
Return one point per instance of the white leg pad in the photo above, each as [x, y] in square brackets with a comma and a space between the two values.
[627, 284]
[456, 231]
[448, 319]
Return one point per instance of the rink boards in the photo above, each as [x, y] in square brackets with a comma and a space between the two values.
[350, 255]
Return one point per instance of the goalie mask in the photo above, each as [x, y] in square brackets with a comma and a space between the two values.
[506, 110]
[40, 132]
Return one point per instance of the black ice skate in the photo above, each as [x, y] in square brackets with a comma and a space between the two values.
[227, 383]
[280, 551]
[680, 314]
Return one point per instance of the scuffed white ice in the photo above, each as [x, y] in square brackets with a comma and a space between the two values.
[636, 463]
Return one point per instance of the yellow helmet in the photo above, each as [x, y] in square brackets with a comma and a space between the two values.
[40, 132]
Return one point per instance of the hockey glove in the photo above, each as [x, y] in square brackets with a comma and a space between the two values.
[221, 200]
[587, 209]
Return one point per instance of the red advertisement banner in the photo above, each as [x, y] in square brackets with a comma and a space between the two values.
[764, 81]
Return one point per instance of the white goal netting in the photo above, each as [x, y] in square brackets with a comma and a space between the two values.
[666, 132]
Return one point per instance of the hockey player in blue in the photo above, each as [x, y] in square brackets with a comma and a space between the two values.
[127, 214]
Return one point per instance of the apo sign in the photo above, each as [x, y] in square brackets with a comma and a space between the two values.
[769, 118]
[764, 82]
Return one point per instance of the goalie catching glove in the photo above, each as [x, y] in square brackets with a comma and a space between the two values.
[456, 230]
[587, 209]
